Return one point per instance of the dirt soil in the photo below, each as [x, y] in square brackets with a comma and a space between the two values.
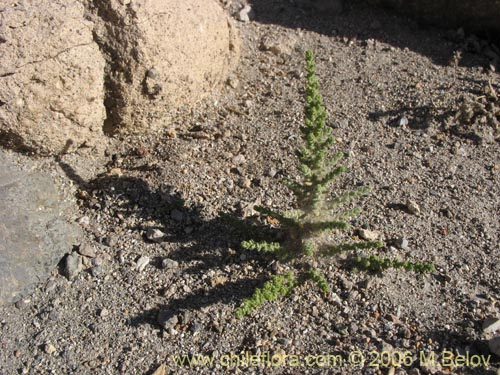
[417, 113]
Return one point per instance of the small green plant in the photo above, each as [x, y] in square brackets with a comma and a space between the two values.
[316, 214]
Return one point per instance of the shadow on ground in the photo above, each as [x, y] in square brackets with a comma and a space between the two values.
[206, 246]
[360, 21]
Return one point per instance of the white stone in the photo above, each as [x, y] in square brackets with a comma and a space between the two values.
[142, 262]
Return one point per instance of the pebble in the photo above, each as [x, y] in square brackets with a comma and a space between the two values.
[412, 207]
[84, 221]
[368, 235]
[73, 265]
[491, 325]
[233, 82]
[142, 262]
[494, 345]
[49, 349]
[51, 286]
[97, 271]
[154, 235]
[271, 172]
[87, 250]
[401, 243]
[169, 264]
[244, 13]
[22, 303]
[167, 320]
[104, 313]
[171, 133]
[403, 121]
[238, 159]
[244, 183]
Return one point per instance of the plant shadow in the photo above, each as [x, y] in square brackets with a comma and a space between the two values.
[204, 245]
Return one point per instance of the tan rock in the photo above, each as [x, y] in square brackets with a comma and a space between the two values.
[162, 54]
[51, 85]
[368, 235]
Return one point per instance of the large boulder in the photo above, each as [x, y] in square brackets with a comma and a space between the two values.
[51, 77]
[69, 65]
[161, 54]
[475, 15]
[34, 235]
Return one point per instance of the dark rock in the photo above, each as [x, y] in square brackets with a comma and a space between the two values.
[167, 319]
[33, 234]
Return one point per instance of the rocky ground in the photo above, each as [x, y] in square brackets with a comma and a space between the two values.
[160, 273]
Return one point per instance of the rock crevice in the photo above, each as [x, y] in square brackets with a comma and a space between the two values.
[75, 70]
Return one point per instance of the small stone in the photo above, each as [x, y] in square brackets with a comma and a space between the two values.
[21, 304]
[167, 320]
[238, 159]
[368, 235]
[494, 345]
[271, 172]
[233, 82]
[491, 325]
[84, 221]
[244, 183]
[51, 286]
[49, 349]
[401, 243]
[244, 13]
[73, 265]
[154, 235]
[87, 250]
[97, 271]
[403, 121]
[169, 264]
[171, 133]
[412, 207]
[104, 313]
[142, 262]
